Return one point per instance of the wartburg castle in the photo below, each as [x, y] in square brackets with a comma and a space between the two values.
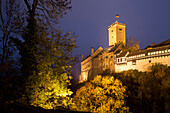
[117, 59]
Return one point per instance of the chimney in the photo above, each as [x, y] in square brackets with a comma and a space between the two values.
[92, 50]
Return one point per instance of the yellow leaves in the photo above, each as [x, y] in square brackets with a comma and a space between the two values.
[103, 94]
[50, 92]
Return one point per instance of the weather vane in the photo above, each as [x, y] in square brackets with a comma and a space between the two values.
[117, 16]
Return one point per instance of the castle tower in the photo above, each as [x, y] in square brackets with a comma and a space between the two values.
[116, 33]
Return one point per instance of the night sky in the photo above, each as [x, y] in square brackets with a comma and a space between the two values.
[146, 20]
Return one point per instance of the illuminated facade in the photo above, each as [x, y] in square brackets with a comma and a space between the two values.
[117, 60]
[116, 33]
[142, 60]
[101, 59]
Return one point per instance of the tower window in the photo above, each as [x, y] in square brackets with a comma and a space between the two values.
[120, 29]
[112, 30]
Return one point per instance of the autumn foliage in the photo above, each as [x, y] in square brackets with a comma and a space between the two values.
[103, 94]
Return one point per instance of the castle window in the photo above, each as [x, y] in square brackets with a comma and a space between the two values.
[159, 51]
[117, 60]
[149, 61]
[162, 51]
[166, 51]
[112, 30]
[111, 57]
[120, 59]
[106, 56]
[133, 62]
[112, 36]
[120, 29]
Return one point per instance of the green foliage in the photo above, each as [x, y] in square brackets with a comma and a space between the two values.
[106, 72]
[147, 92]
[103, 94]
[48, 88]
[49, 92]
[46, 53]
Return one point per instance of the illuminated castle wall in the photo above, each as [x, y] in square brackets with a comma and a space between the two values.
[117, 60]
[116, 33]
[142, 60]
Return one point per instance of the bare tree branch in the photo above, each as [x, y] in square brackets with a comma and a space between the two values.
[28, 6]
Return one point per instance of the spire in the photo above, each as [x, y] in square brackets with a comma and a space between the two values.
[117, 16]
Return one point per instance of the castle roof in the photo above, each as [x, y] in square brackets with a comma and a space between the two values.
[164, 43]
[158, 47]
[114, 48]
[122, 54]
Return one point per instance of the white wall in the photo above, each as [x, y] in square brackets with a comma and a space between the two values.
[143, 64]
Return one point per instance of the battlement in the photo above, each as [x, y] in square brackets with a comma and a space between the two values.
[118, 23]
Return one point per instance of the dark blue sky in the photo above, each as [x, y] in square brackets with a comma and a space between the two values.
[146, 20]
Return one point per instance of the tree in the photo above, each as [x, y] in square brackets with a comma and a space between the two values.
[50, 85]
[133, 44]
[147, 91]
[41, 16]
[10, 24]
[155, 88]
[46, 53]
[103, 94]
